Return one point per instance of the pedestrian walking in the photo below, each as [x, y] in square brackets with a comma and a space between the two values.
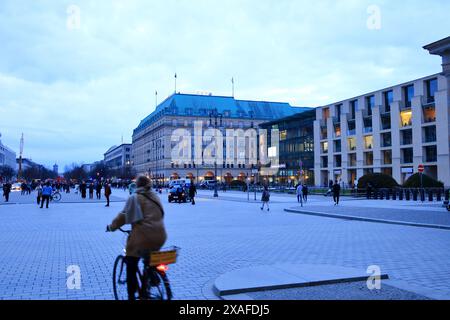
[46, 194]
[192, 192]
[300, 194]
[107, 193]
[83, 188]
[265, 198]
[336, 192]
[98, 190]
[305, 193]
[91, 191]
[39, 193]
[6, 191]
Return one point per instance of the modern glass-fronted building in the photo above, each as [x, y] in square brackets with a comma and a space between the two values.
[296, 148]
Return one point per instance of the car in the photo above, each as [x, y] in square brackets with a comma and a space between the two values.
[16, 187]
[175, 196]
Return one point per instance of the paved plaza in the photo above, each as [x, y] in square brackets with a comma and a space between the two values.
[216, 236]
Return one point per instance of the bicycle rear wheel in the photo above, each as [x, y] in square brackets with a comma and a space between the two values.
[158, 287]
[120, 279]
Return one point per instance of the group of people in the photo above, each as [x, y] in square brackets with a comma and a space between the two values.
[44, 192]
[302, 193]
[96, 186]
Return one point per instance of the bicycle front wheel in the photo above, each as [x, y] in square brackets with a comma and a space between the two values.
[120, 279]
[56, 197]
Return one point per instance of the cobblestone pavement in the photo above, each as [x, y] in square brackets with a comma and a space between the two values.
[216, 236]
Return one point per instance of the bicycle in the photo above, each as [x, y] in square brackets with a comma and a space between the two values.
[56, 196]
[153, 283]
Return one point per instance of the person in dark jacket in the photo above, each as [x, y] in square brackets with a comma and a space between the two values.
[83, 188]
[107, 193]
[192, 192]
[6, 191]
[98, 190]
[91, 191]
[336, 192]
[305, 193]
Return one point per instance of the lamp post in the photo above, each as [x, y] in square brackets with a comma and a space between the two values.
[214, 117]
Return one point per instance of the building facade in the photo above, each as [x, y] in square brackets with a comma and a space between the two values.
[296, 146]
[153, 141]
[7, 156]
[391, 131]
[118, 157]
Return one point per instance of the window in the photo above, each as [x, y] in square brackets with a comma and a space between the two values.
[337, 131]
[351, 144]
[386, 156]
[324, 147]
[325, 113]
[388, 98]
[352, 160]
[407, 155]
[406, 118]
[408, 94]
[324, 162]
[429, 114]
[337, 146]
[353, 108]
[338, 112]
[338, 161]
[429, 134]
[368, 158]
[430, 153]
[370, 103]
[432, 87]
[386, 140]
[368, 142]
[283, 135]
[406, 137]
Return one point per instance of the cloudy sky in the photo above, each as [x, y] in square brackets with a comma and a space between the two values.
[74, 84]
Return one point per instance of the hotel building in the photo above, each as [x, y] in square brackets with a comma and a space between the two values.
[152, 139]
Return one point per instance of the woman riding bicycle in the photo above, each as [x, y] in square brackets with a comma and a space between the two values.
[145, 213]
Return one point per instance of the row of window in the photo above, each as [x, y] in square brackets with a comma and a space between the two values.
[431, 87]
[406, 138]
[429, 155]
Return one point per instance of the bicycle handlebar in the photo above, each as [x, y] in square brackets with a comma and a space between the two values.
[125, 231]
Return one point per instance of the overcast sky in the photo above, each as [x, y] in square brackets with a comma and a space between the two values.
[75, 89]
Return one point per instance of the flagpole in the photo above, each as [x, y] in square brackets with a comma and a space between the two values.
[175, 83]
[232, 87]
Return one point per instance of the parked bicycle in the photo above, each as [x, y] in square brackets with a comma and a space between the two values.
[153, 283]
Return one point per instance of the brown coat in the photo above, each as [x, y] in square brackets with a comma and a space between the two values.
[148, 234]
[107, 190]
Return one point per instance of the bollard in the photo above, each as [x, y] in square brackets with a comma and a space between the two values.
[400, 194]
[381, 194]
[388, 194]
[415, 193]
[375, 194]
[422, 194]
[407, 195]
[430, 195]
[394, 194]
[438, 195]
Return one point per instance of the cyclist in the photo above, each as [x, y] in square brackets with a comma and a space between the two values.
[145, 213]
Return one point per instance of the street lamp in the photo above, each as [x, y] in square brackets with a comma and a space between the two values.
[214, 117]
